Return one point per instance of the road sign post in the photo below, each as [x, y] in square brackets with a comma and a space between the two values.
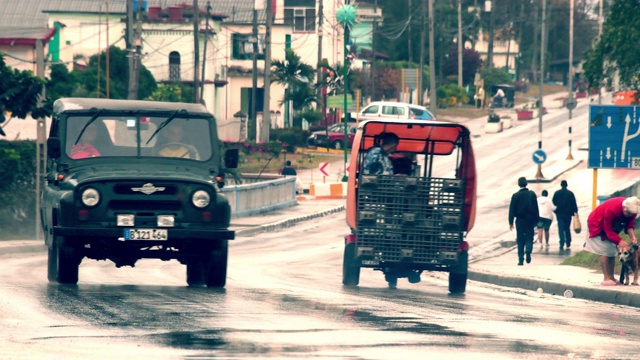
[614, 137]
[539, 157]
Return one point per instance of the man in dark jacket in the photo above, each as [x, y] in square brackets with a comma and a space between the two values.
[524, 208]
[566, 207]
[289, 170]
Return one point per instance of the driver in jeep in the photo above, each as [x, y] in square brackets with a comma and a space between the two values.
[172, 143]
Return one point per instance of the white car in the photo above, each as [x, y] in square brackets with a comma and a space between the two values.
[395, 110]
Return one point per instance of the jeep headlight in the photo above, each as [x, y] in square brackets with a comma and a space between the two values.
[200, 199]
[90, 197]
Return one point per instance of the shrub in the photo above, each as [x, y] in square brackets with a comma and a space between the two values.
[17, 189]
[290, 138]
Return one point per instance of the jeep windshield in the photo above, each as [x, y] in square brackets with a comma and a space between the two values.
[138, 136]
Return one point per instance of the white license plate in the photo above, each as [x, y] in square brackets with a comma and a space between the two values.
[145, 234]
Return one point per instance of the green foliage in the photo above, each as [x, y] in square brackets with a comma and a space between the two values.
[450, 95]
[494, 76]
[176, 92]
[20, 92]
[312, 116]
[297, 77]
[471, 63]
[17, 189]
[618, 46]
[290, 138]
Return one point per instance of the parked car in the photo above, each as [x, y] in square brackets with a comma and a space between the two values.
[394, 110]
[333, 136]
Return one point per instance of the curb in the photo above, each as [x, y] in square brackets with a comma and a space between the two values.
[610, 295]
[282, 224]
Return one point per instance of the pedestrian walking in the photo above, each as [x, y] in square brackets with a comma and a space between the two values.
[605, 223]
[566, 207]
[545, 208]
[524, 209]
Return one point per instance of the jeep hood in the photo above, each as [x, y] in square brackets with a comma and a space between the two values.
[128, 172]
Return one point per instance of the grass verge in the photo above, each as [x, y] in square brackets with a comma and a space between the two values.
[261, 163]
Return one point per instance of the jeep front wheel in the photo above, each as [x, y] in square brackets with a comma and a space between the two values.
[216, 267]
[63, 262]
[195, 271]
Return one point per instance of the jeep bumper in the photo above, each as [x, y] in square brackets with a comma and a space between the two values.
[173, 234]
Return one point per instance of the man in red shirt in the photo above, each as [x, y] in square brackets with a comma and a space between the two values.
[605, 223]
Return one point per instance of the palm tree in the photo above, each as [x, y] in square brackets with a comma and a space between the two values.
[296, 77]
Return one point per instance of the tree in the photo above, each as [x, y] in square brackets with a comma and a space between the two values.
[176, 92]
[617, 49]
[118, 76]
[296, 77]
[471, 62]
[20, 93]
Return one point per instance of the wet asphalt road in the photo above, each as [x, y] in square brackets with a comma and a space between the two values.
[284, 299]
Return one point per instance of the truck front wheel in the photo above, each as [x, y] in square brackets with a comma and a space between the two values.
[350, 270]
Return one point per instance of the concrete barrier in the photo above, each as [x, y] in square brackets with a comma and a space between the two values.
[333, 190]
[493, 127]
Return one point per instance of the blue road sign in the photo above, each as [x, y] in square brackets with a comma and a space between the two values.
[539, 156]
[613, 137]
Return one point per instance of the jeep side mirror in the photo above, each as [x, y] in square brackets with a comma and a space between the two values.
[53, 147]
[231, 158]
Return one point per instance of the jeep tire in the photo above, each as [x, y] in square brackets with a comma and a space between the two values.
[216, 266]
[63, 262]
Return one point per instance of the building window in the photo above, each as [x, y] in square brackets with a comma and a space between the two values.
[243, 46]
[301, 14]
[174, 66]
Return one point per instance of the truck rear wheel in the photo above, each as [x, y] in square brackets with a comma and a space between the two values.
[457, 283]
[216, 266]
[350, 270]
[63, 262]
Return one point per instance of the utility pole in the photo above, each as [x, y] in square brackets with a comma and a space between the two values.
[107, 65]
[319, 79]
[570, 98]
[266, 113]
[130, 51]
[541, 107]
[460, 43]
[41, 140]
[373, 50]
[135, 75]
[432, 62]
[600, 24]
[489, 4]
[196, 53]
[410, 15]
[423, 35]
[204, 55]
[253, 123]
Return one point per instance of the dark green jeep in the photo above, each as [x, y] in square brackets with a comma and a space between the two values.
[130, 179]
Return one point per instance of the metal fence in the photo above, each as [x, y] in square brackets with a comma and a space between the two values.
[260, 197]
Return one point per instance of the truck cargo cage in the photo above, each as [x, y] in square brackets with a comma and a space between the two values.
[413, 219]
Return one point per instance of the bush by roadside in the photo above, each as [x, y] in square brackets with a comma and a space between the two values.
[17, 189]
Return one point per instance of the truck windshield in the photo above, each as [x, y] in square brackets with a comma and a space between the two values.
[131, 136]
